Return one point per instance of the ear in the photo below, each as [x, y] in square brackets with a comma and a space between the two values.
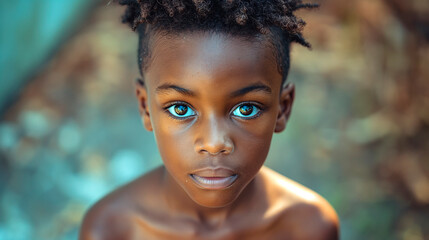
[287, 95]
[142, 98]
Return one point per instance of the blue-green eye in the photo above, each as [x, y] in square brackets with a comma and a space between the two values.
[246, 111]
[181, 111]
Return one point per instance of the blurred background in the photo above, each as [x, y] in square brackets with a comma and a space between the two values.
[70, 130]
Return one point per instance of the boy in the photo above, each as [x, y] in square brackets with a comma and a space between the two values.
[213, 93]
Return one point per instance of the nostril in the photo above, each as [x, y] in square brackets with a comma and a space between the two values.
[214, 143]
[219, 152]
[222, 151]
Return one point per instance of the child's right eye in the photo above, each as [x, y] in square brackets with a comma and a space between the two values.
[181, 111]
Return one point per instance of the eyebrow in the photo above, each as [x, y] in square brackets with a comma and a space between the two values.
[168, 87]
[252, 88]
[240, 92]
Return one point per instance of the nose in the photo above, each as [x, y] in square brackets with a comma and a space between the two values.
[213, 138]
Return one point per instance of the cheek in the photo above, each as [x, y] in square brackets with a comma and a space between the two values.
[253, 142]
[174, 143]
[258, 131]
[253, 151]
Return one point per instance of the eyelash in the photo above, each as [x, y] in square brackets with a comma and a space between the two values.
[259, 107]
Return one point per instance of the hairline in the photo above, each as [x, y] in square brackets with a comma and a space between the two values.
[273, 41]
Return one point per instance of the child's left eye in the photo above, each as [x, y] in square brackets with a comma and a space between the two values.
[181, 111]
[246, 111]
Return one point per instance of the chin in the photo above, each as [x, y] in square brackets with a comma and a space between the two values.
[214, 199]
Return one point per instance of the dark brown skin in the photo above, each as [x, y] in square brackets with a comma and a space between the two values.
[213, 102]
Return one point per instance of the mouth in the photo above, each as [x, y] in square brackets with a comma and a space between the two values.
[214, 178]
[214, 182]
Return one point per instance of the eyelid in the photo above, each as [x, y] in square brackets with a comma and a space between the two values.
[254, 103]
[169, 104]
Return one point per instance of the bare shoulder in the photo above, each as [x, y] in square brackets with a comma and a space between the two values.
[303, 213]
[116, 215]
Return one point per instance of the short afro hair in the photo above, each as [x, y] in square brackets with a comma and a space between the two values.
[244, 18]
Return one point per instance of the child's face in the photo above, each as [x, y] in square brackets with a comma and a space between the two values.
[213, 102]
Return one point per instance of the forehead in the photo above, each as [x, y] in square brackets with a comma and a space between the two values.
[210, 54]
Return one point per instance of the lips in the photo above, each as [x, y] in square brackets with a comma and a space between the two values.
[214, 178]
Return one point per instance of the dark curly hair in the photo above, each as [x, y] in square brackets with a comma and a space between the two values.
[241, 18]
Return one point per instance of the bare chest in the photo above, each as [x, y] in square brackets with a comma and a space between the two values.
[248, 229]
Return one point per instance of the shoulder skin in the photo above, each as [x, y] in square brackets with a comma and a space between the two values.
[116, 216]
[302, 214]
